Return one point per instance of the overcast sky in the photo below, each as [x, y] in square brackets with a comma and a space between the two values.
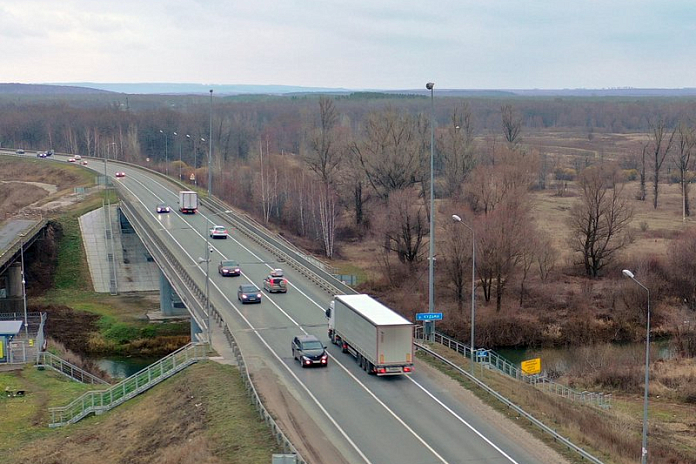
[354, 44]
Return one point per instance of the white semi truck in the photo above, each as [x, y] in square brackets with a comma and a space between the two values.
[377, 337]
[188, 202]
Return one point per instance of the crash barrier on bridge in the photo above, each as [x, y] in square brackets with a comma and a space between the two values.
[311, 268]
[534, 421]
[280, 437]
[493, 360]
[101, 401]
[48, 360]
[23, 240]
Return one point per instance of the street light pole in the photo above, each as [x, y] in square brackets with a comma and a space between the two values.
[430, 325]
[473, 286]
[24, 294]
[176, 135]
[210, 146]
[644, 445]
[166, 155]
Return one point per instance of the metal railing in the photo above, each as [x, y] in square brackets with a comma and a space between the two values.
[502, 365]
[97, 402]
[51, 361]
[534, 421]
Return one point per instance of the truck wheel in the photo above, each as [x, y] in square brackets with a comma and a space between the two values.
[370, 368]
[360, 361]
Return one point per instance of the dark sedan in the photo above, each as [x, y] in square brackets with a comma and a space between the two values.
[162, 208]
[249, 294]
[229, 268]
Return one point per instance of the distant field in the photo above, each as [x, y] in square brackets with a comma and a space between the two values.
[651, 228]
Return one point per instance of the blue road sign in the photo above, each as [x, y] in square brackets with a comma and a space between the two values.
[428, 316]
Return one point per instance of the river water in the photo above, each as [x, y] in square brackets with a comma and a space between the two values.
[122, 367]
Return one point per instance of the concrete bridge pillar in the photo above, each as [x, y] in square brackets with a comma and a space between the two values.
[197, 334]
[14, 280]
[165, 295]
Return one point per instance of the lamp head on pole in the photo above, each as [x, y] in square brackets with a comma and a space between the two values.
[628, 274]
[430, 85]
[456, 218]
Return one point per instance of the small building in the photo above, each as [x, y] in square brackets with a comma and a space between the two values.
[8, 331]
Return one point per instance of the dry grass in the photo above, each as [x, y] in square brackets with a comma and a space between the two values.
[201, 415]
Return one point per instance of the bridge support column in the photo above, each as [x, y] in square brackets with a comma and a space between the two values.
[165, 287]
[170, 304]
[14, 280]
[197, 334]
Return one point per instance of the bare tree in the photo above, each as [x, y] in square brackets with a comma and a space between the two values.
[661, 142]
[546, 255]
[390, 152]
[403, 224]
[642, 191]
[512, 125]
[685, 146]
[456, 149]
[599, 218]
[503, 234]
[456, 250]
[324, 152]
[681, 256]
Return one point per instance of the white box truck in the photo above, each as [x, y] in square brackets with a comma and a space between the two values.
[377, 337]
[188, 202]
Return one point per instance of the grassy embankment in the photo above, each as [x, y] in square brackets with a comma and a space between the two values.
[202, 412]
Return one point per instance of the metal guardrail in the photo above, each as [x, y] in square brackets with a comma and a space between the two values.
[534, 421]
[504, 366]
[56, 363]
[100, 401]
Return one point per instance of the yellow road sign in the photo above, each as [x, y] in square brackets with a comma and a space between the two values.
[531, 366]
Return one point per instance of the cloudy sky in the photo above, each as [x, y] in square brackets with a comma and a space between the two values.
[355, 44]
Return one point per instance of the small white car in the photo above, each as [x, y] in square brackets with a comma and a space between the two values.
[218, 232]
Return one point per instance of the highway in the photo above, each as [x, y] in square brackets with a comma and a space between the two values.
[365, 419]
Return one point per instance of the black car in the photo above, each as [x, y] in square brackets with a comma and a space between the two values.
[309, 351]
[162, 208]
[229, 268]
[249, 294]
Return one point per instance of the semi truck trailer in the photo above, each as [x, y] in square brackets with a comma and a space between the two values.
[378, 338]
[188, 202]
